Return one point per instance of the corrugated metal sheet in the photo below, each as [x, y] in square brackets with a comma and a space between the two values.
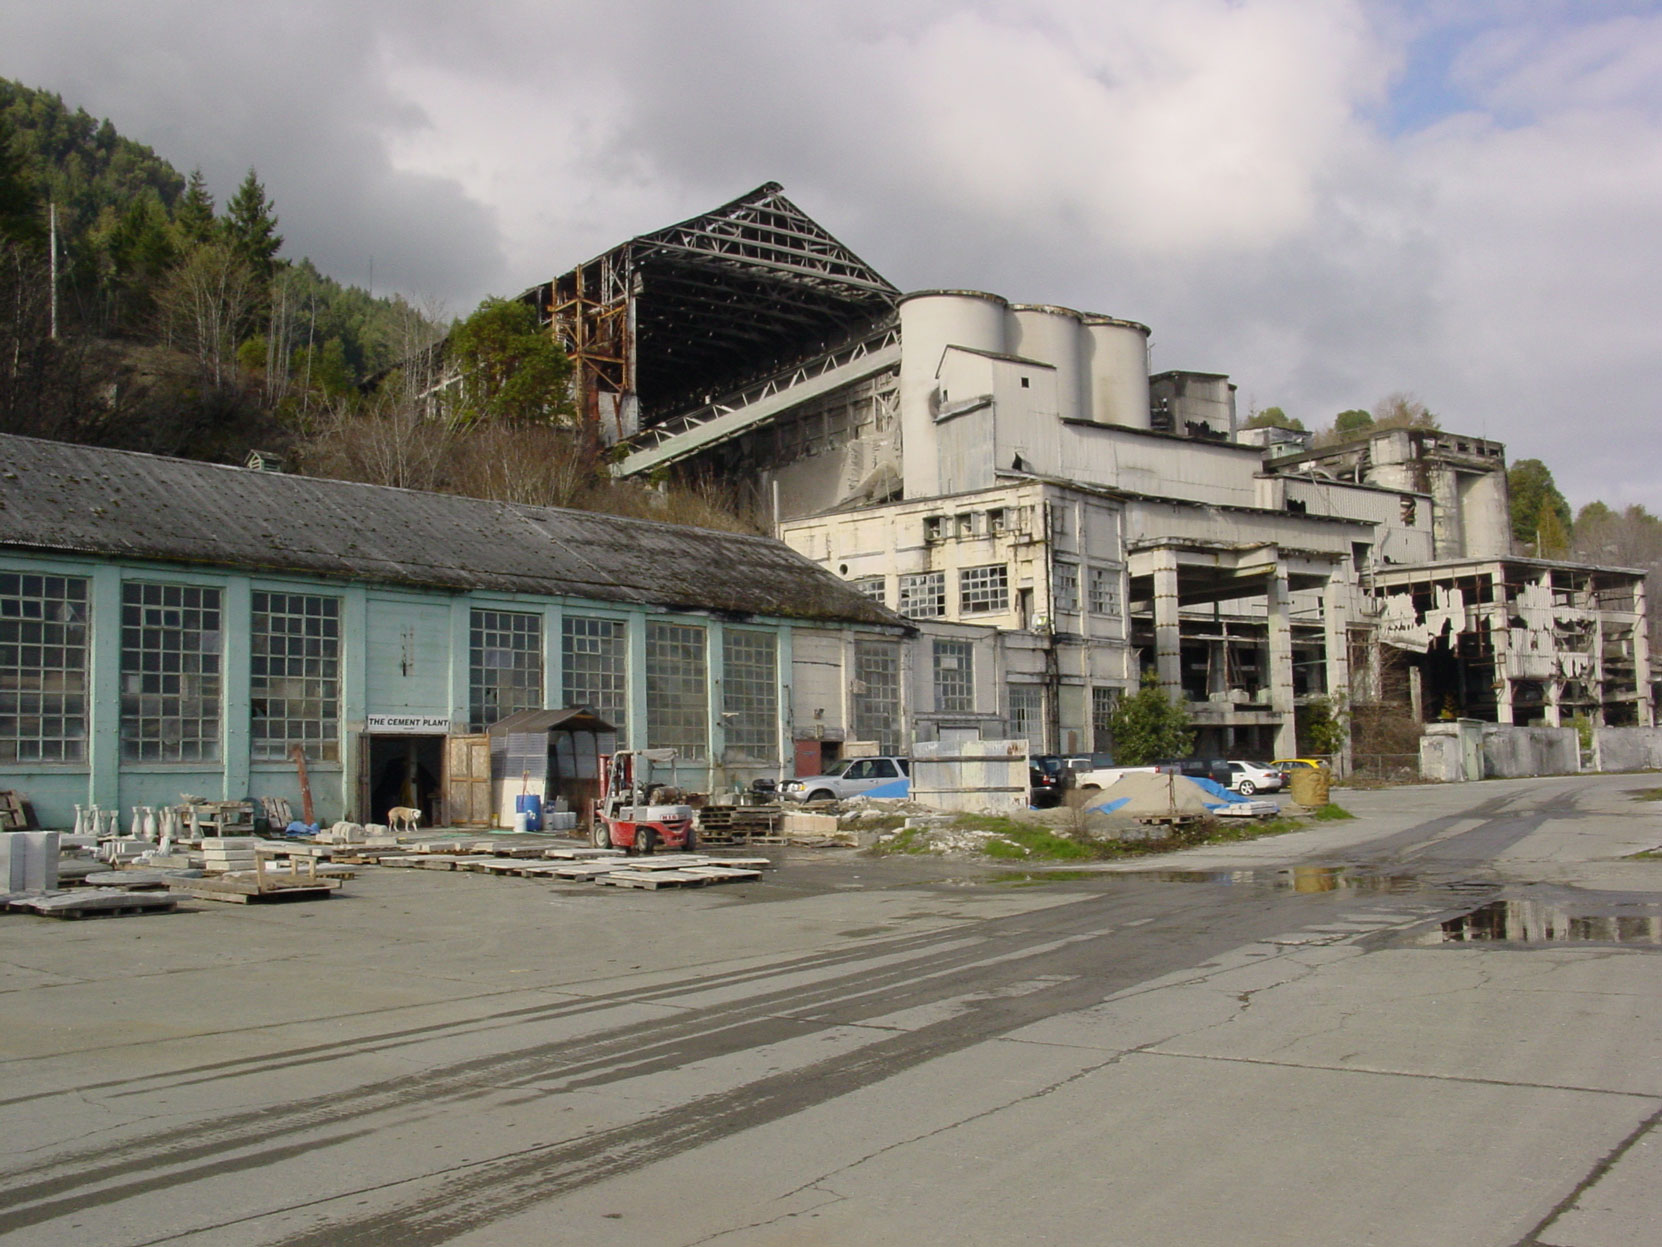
[111, 503]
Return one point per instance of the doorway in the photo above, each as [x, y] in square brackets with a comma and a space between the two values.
[404, 771]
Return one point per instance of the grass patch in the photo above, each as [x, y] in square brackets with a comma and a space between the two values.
[1017, 839]
[908, 841]
[1646, 794]
[1331, 813]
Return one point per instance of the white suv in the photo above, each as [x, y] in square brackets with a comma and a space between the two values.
[847, 778]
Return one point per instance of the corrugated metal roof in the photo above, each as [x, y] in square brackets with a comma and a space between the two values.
[115, 503]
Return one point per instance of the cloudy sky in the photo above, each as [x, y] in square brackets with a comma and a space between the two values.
[1328, 200]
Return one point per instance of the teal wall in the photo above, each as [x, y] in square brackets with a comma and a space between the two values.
[402, 652]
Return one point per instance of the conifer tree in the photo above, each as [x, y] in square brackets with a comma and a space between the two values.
[194, 217]
[251, 227]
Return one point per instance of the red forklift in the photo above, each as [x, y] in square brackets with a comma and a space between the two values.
[635, 814]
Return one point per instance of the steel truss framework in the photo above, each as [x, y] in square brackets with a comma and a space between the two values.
[672, 320]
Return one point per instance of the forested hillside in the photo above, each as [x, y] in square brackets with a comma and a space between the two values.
[181, 327]
[178, 326]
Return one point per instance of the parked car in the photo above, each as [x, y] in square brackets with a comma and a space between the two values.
[1248, 778]
[847, 778]
[1103, 776]
[1215, 769]
[1078, 763]
[1047, 777]
[1288, 765]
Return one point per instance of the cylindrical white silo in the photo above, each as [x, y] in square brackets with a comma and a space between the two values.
[1116, 365]
[931, 321]
[1052, 336]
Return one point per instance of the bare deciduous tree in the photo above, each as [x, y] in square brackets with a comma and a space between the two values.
[204, 305]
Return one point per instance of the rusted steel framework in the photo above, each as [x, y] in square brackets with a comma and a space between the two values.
[672, 320]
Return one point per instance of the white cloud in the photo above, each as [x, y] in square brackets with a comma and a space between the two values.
[1216, 168]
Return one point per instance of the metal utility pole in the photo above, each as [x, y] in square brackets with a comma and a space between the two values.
[52, 267]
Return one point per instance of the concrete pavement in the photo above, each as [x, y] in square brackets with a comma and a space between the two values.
[1211, 1049]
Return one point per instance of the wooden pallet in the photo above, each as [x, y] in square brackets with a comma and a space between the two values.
[724, 874]
[235, 891]
[13, 817]
[650, 879]
[97, 903]
[740, 824]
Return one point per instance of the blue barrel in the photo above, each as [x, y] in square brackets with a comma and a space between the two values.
[530, 805]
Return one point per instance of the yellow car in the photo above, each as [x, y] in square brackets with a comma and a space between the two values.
[1288, 765]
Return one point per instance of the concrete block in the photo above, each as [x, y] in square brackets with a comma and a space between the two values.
[28, 861]
[1627, 748]
[800, 824]
[1441, 758]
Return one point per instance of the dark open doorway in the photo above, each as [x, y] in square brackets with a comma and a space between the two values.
[405, 771]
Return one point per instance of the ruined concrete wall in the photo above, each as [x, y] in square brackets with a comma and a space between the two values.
[1519, 752]
[1441, 759]
[1448, 756]
[1627, 748]
[980, 776]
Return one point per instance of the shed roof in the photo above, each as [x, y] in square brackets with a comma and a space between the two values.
[121, 504]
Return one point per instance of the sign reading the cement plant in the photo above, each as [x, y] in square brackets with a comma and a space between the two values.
[406, 724]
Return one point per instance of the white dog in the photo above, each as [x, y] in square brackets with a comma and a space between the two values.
[403, 819]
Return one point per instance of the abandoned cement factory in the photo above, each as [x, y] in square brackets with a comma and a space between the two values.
[991, 520]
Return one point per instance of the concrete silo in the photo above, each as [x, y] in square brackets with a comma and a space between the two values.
[931, 321]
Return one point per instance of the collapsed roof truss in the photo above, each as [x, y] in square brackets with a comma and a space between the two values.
[675, 318]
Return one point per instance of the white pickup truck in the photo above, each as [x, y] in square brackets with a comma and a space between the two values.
[1090, 781]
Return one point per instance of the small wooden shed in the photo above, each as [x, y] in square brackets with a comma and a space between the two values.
[552, 753]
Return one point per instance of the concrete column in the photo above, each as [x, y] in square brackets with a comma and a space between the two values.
[715, 702]
[1281, 662]
[1337, 638]
[1554, 710]
[1168, 652]
[235, 709]
[461, 653]
[104, 690]
[553, 656]
[354, 698]
[1641, 657]
[1500, 631]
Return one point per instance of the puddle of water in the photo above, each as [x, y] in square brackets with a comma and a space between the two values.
[1541, 922]
[1298, 879]
[1028, 879]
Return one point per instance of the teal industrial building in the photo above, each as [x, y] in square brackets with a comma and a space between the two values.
[172, 627]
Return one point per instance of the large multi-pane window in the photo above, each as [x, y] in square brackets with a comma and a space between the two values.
[594, 665]
[677, 689]
[869, 587]
[504, 665]
[294, 676]
[984, 590]
[1027, 717]
[170, 673]
[954, 676]
[877, 693]
[1103, 701]
[923, 595]
[1065, 585]
[1105, 591]
[43, 668]
[750, 695]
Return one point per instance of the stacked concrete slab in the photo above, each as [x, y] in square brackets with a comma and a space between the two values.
[28, 861]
